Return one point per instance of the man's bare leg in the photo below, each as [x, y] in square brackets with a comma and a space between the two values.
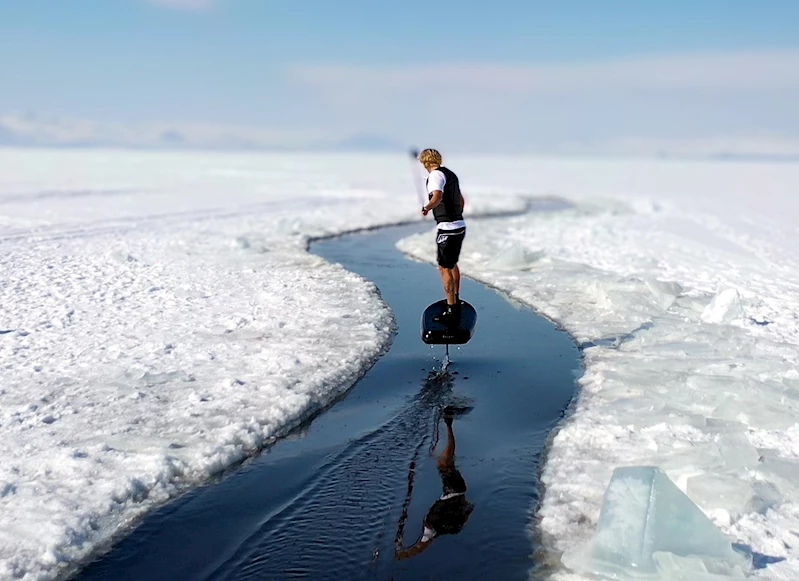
[448, 278]
[456, 275]
[447, 458]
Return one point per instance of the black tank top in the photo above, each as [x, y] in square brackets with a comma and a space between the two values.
[450, 208]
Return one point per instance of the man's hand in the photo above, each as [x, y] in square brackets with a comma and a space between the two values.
[435, 200]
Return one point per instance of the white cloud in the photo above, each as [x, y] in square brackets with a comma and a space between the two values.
[743, 71]
[674, 98]
[191, 5]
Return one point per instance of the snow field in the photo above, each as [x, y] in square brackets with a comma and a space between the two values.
[160, 320]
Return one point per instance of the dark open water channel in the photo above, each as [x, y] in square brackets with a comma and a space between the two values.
[328, 502]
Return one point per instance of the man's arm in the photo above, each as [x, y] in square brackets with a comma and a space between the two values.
[420, 546]
[438, 195]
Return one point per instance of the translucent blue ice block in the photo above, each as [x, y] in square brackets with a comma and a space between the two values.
[649, 529]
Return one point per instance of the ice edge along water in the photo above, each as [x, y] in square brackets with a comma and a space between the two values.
[210, 382]
[150, 346]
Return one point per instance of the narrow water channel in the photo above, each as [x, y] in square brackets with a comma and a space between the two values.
[349, 494]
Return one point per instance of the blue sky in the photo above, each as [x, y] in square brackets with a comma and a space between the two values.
[456, 72]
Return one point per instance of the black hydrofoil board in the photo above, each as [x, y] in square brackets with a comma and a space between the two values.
[435, 333]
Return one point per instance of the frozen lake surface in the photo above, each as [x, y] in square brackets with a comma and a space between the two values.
[145, 347]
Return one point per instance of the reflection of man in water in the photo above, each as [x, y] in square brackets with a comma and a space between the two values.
[450, 512]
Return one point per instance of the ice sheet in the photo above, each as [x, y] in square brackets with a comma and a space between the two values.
[160, 320]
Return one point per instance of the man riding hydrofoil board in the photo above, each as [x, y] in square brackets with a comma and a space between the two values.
[446, 202]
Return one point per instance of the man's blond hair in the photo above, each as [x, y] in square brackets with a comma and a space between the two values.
[430, 158]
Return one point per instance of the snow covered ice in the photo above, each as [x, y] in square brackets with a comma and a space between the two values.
[161, 320]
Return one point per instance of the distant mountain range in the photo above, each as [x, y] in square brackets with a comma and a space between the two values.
[32, 130]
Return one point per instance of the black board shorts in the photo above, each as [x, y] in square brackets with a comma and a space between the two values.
[449, 244]
[452, 481]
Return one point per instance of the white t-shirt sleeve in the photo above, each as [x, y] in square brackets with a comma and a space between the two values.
[436, 181]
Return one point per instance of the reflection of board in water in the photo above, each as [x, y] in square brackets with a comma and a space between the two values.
[436, 333]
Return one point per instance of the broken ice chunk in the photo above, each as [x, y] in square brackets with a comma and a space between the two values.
[151, 379]
[763, 414]
[694, 568]
[712, 491]
[665, 293]
[765, 496]
[724, 308]
[720, 426]
[737, 452]
[649, 529]
[783, 472]
[515, 258]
